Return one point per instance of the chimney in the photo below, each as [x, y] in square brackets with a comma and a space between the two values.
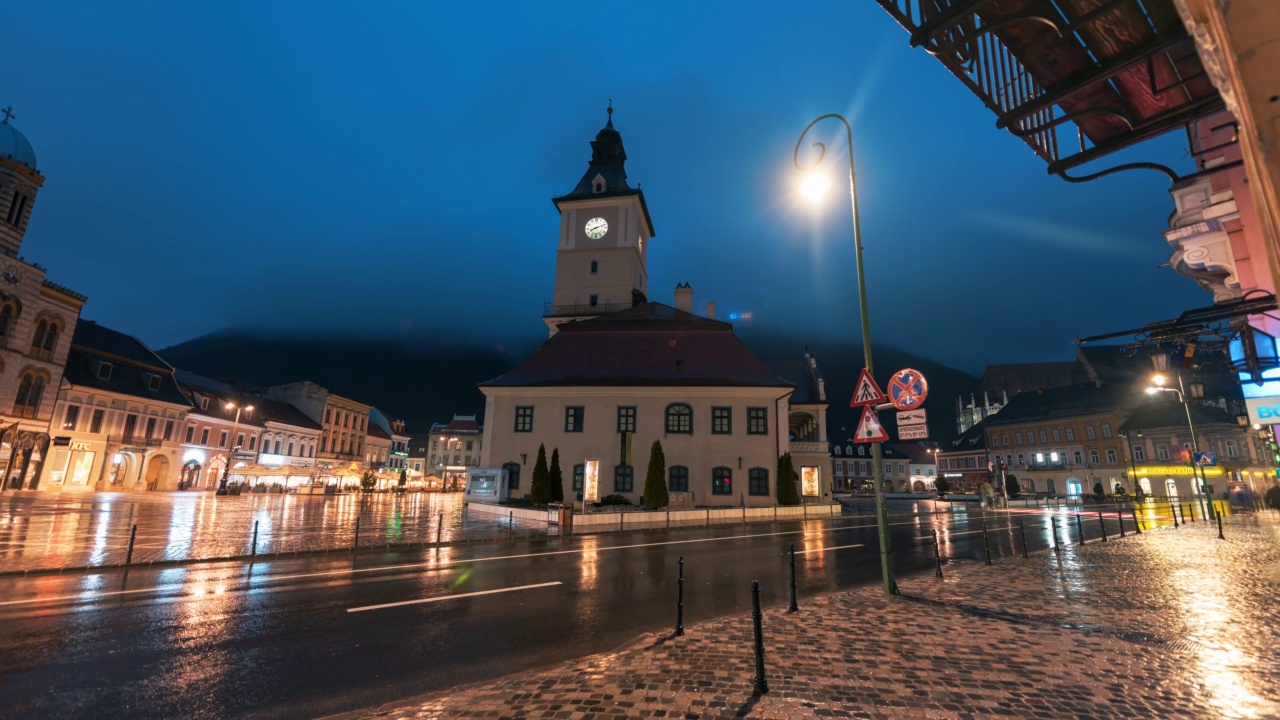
[684, 297]
[711, 310]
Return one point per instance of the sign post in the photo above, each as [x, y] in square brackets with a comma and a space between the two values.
[907, 391]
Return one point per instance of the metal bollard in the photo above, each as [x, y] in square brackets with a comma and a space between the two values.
[937, 557]
[1173, 508]
[1053, 534]
[1137, 527]
[253, 551]
[356, 543]
[1193, 512]
[986, 546]
[1102, 524]
[680, 599]
[1220, 536]
[1023, 531]
[439, 527]
[794, 607]
[511, 524]
[761, 685]
[1120, 518]
[133, 534]
[1079, 527]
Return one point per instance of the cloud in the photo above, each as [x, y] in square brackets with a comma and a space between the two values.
[1044, 232]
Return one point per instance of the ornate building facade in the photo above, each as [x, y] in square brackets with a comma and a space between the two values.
[37, 320]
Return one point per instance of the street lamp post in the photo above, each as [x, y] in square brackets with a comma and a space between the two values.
[814, 185]
[231, 452]
[1197, 477]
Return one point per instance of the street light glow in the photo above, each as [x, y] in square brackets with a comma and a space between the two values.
[1153, 390]
[231, 406]
[1158, 379]
[814, 186]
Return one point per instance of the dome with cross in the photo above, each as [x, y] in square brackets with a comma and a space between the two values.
[13, 146]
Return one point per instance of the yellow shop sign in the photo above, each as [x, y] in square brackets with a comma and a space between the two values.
[1210, 471]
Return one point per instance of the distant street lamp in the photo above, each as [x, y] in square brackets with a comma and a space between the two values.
[1158, 386]
[814, 186]
[226, 469]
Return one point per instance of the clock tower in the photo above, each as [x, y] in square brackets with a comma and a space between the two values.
[602, 258]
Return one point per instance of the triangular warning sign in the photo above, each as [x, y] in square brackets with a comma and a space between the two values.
[866, 392]
[869, 428]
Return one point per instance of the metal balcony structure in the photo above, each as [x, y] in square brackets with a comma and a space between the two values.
[1120, 71]
[135, 440]
[549, 310]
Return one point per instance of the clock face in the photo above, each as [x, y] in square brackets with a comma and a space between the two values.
[596, 228]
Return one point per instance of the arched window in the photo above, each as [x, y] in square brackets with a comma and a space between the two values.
[278, 448]
[678, 478]
[758, 481]
[37, 340]
[721, 481]
[7, 315]
[679, 419]
[513, 475]
[30, 392]
[594, 267]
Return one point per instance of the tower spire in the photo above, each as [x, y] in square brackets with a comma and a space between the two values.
[8, 113]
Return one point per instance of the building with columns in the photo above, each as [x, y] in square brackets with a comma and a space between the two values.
[344, 423]
[118, 417]
[37, 320]
[216, 438]
[453, 448]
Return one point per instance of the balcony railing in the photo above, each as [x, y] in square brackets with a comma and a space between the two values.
[549, 310]
[133, 440]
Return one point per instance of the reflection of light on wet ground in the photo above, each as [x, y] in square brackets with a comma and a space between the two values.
[181, 530]
[815, 542]
[98, 554]
[589, 567]
[1224, 670]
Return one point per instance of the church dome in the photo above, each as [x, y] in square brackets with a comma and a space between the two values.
[13, 146]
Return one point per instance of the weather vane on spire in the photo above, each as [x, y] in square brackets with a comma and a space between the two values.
[8, 113]
[610, 110]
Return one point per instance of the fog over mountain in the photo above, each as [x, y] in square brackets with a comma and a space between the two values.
[424, 379]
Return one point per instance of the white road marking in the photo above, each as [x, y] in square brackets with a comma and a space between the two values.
[432, 564]
[440, 598]
[825, 549]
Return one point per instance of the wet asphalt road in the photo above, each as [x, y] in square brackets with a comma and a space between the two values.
[278, 639]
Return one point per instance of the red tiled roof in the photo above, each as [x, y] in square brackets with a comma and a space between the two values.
[650, 345]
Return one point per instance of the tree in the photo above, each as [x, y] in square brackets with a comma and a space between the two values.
[368, 481]
[1098, 492]
[404, 477]
[787, 492]
[1272, 498]
[1119, 489]
[556, 478]
[655, 480]
[540, 487]
[1011, 487]
[942, 485]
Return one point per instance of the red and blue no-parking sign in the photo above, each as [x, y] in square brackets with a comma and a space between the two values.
[908, 389]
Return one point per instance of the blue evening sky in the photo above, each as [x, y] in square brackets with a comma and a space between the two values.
[386, 169]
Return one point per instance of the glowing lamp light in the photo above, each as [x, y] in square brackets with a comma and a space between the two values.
[814, 186]
[1152, 390]
[1158, 380]
[231, 406]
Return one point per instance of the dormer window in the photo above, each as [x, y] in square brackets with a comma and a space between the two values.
[204, 403]
[598, 184]
[153, 382]
[104, 371]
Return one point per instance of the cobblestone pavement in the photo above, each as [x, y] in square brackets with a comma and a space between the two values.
[1169, 624]
[42, 531]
